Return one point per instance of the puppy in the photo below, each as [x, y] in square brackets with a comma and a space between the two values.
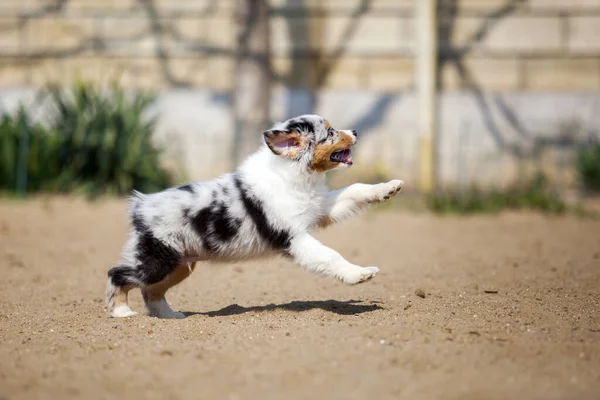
[269, 206]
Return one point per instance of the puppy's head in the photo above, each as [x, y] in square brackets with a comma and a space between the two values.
[313, 142]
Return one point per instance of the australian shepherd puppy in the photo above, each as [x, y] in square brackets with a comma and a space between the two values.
[269, 206]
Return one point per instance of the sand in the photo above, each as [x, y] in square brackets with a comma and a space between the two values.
[484, 307]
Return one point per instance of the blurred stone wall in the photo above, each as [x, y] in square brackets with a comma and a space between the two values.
[520, 78]
[341, 44]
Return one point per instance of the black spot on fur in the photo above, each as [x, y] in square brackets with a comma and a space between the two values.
[214, 224]
[187, 188]
[301, 126]
[201, 224]
[157, 259]
[138, 222]
[123, 275]
[225, 226]
[277, 239]
[225, 191]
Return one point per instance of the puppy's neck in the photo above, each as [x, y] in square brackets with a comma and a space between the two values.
[264, 165]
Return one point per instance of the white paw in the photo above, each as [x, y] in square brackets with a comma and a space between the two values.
[178, 315]
[161, 309]
[171, 315]
[122, 311]
[385, 191]
[355, 275]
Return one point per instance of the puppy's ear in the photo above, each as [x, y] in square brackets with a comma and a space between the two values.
[284, 143]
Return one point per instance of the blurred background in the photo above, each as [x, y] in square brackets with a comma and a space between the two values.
[480, 106]
[462, 97]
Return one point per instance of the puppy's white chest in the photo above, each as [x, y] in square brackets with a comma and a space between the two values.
[298, 208]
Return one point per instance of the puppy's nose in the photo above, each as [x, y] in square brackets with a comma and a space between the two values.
[354, 133]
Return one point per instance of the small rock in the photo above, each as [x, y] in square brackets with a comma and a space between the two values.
[420, 293]
[166, 353]
[407, 306]
[476, 333]
[150, 332]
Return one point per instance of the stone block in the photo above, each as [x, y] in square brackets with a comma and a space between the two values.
[12, 73]
[220, 31]
[11, 35]
[99, 6]
[189, 71]
[146, 73]
[345, 73]
[131, 72]
[563, 74]
[486, 73]
[293, 72]
[65, 71]
[469, 6]
[563, 5]
[188, 30]
[14, 8]
[295, 34]
[123, 27]
[220, 72]
[584, 34]
[196, 7]
[390, 73]
[56, 34]
[369, 35]
[516, 34]
[340, 6]
[144, 46]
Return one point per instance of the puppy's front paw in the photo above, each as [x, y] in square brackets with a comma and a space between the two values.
[355, 275]
[385, 191]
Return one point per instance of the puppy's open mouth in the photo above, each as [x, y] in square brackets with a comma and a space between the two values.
[342, 156]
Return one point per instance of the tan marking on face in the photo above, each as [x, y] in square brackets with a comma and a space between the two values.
[321, 161]
[325, 221]
[327, 125]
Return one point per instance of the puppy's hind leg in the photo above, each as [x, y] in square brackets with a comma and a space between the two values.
[121, 279]
[154, 295]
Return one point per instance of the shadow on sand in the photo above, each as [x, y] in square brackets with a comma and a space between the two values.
[350, 307]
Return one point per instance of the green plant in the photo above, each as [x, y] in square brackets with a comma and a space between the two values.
[97, 142]
[27, 154]
[588, 166]
[537, 195]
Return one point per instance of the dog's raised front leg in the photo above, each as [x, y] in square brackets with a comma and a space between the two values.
[311, 254]
[344, 203]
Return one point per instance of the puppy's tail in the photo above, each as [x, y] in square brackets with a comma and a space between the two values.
[135, 201]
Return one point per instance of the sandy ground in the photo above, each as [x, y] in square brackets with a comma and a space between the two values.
[511, 310]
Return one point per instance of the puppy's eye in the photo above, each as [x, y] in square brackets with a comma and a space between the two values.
[330, 132]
